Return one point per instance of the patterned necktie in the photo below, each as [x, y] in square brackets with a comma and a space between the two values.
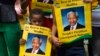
[33, 51]
[72, 28]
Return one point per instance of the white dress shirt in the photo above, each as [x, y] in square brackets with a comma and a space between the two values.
[35, 51]
[74, 27]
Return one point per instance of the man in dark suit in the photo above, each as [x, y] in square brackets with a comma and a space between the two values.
[36, 43]
[72, 19]
[39, 51]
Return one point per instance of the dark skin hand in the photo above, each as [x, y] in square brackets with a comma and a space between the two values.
[22, 41]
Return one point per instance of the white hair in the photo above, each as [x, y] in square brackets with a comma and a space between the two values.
[37, 38]
[76, 13]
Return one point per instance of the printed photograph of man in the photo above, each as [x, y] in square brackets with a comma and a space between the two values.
[36, 43]
[72, 17]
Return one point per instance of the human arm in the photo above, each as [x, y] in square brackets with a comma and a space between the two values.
[21, 6]
[18, 7]
[22, 41]
[55, 39]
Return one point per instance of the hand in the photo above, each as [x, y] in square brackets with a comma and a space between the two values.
[55, 41]
[22, 41]
[18, 8]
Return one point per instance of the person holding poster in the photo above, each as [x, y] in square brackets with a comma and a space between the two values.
[9, 28]
[72, 17]
[73, 49]
[95, 42]
[36, 18]
[36, 43]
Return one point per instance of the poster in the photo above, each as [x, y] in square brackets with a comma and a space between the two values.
[73, 19]
[37, 42]
[45, 7]
[23, 20]
[48, 13]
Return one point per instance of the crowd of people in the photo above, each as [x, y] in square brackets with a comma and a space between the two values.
[10, 30]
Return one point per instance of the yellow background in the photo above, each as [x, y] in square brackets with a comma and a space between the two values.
[30, 29]
[87, 11]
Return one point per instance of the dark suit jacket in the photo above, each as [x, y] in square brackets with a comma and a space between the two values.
[30, 50]
[78, 27]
